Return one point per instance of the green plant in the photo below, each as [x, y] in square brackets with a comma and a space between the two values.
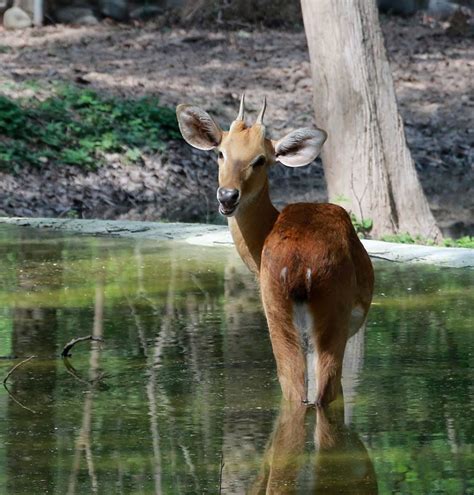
[78, 127]
[341, 199]
[72, 214]
[362, 226]
[466, 242]
[405, 238]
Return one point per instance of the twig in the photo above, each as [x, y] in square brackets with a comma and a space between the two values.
[220, 473]
[21, 363]
[359, 200]
[73, 342]
[14, 399]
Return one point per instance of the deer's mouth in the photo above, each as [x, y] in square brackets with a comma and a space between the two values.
[227, 211]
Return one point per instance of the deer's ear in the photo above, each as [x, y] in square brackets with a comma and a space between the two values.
[198, 128]
[299, 147]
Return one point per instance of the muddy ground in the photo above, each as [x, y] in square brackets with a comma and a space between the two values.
[432, 72]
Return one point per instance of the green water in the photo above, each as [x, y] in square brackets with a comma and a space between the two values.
[185, 380]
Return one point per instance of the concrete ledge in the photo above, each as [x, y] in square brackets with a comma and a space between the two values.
[414, 253]
[218, 235]
[160, 231]
[390, 251]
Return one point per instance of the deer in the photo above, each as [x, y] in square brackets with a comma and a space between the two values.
[315, 276]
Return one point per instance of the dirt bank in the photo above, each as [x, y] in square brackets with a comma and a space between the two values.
[432, 73]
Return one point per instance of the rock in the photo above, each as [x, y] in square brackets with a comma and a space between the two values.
[442, 9]
[115, 9]
[16, 18]
[81, 16]
[145, 13]
[459, 25]
[87, 20]
[26, 5]
[436, 8]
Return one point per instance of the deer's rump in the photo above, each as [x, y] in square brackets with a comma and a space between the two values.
[313, 250]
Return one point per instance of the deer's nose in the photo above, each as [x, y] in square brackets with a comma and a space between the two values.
[228, 197]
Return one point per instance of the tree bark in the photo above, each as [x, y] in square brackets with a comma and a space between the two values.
[368, 166]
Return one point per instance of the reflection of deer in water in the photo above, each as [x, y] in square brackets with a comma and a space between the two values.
[315, 276]
[340, 465]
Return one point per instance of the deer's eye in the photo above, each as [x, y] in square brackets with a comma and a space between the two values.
[220, 155]
[258, 162]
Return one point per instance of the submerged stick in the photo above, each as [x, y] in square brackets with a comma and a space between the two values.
[220, 473]
[21, 363]
[65, 352]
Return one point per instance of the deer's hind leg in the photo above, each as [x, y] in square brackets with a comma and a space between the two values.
[330, 333]
[286, 344]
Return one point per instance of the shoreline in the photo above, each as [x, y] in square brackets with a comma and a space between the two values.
[208, 235]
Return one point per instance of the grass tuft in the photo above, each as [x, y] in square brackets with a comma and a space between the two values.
[465, 242]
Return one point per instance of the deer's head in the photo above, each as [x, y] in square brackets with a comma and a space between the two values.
[244, 154]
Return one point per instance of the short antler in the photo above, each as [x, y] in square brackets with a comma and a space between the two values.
[242, 108]
[262, 112]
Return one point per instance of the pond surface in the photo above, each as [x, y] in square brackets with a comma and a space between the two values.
[182, 396]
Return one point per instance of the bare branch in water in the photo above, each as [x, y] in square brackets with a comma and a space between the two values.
[220, 473]
[13, 398]
[21, 363]
[65, 353]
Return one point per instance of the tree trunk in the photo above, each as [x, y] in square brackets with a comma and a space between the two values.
[367, 164]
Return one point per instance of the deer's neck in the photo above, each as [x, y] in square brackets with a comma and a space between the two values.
[251, 226]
